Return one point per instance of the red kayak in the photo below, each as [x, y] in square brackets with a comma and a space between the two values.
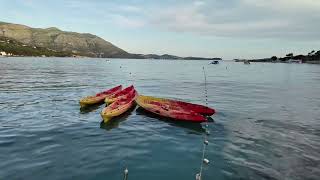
[174, 109]
[119, 95]
[98, 98]
[193, 107]
[204, 110]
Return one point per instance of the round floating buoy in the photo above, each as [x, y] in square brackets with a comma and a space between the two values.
[206, 142]
[206, 161]
[126, 172]
[198, 176]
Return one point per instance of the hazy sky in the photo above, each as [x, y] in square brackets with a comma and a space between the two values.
[213, 28]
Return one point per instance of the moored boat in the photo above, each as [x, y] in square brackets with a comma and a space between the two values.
[214, 62]
[177, 110]
[119, 95]
[118, 107]
[99, 98]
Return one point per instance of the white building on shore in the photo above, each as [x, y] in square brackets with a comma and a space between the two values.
[3, 53]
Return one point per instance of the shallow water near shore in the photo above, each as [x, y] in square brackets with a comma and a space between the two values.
[267, 124]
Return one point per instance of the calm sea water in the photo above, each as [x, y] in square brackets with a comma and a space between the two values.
[267, 125]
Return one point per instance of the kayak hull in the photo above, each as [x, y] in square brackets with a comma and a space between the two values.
[99, 98]
[111, 100]
[119, 95]
[118, 107]
[90, 100]
[204, 110]
[111, 114]
[162, 108]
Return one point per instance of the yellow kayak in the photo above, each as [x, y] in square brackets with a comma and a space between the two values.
[118, 107]
[98, 98]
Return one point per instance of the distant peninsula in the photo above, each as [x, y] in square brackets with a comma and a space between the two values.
[53, 39]
[21, 40]
[313, 57]
[171, 57]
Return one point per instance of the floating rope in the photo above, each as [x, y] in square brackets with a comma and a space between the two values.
[205, 142]
[130, 79]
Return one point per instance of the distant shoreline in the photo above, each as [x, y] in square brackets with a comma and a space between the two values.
[58, 43]
[103, 58]
[312, 57]
[283, 62]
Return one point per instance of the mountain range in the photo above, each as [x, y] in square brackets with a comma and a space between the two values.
[72, 43]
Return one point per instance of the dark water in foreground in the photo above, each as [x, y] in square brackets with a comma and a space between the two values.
[267, 125]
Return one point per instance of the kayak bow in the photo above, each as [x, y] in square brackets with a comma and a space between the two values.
[98, 98]
[119, 95]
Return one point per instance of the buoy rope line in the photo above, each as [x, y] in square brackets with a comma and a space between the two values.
[205, 141]
[125, 171]
[125, 174]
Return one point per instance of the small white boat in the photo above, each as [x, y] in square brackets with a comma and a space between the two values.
[297, 61]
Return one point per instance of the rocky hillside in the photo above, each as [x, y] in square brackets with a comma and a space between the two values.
[58, 40]
[11, 47]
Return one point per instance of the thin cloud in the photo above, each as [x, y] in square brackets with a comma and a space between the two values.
[284, 19]
[130, 8]
[204, 26]
[244, 18]
[126, 22]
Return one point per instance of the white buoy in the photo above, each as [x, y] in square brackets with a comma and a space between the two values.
[198, 176]
[206, 142]
[206, 161]
[126, 172]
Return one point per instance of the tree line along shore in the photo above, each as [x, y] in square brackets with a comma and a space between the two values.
[312, 57]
